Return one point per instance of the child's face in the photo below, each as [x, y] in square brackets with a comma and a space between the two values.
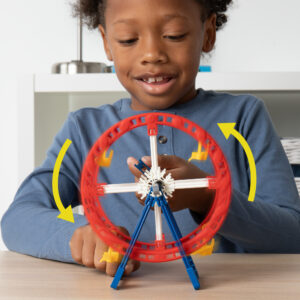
[161, 39]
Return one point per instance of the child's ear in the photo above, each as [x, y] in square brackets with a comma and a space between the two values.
[105, 43]
[209, 33]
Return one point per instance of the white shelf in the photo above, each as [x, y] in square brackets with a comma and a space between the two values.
[283, 81]
[46, 99]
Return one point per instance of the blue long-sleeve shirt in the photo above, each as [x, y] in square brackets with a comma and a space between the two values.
[269, 224]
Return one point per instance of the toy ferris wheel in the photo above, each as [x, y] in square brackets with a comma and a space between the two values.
[156, 187]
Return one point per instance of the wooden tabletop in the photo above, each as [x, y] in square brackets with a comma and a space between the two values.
[222, 276]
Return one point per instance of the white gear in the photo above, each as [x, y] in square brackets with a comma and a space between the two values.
[151, 177]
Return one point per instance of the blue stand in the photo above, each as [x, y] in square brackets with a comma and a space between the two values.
[159, 198]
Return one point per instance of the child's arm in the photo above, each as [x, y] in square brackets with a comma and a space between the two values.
[272, 222]
[30, 225]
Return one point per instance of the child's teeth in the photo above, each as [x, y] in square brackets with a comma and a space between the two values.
[152, 79]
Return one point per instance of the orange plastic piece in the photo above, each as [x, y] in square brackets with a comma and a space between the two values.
[199, 155]
[103, 161]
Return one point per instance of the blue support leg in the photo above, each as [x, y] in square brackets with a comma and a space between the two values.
[188, 261]
[176, 228]
[121, 268]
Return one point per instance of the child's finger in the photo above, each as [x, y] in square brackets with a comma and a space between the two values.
[76, 244]
[111, 268]
[88, 251]
[131, 266]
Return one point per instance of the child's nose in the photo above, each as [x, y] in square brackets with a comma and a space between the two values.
[153, 52]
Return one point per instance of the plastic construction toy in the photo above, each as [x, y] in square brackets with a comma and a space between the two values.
[156, 187]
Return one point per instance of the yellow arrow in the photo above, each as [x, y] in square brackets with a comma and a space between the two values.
[228, 129]
[65, 213]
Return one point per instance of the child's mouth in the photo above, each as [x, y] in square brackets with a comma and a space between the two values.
[157, 85]
[158, 80]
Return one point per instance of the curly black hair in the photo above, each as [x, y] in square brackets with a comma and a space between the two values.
[92, 11]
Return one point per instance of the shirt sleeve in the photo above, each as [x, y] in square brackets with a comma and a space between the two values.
[30, 225]
[272, 222]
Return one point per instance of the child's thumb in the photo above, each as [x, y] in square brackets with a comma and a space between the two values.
[131, 162]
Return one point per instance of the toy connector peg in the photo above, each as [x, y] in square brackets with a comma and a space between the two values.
[160, 244]
[100, 189]
[103, 161]
[199, 155]
[151, 121]
[152, 129]
[207, 249]
[111, 256]
[212, 183]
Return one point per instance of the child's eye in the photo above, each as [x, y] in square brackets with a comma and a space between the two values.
[176, 37]
[127, 42]
[171, 37]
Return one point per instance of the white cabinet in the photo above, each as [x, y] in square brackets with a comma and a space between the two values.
[46, 99]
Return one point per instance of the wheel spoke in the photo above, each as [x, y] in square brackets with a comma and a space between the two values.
[191, 183]
[153, 148]
[117, 188]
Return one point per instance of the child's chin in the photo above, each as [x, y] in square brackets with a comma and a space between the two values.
[159, 104]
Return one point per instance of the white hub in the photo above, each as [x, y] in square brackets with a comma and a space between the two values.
[153, 176]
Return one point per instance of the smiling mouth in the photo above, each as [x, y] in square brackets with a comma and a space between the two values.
[157, 85]
[157, 80]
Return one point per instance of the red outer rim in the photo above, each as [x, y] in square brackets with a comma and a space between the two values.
[148, 252]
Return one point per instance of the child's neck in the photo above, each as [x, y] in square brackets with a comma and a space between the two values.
[139, 105]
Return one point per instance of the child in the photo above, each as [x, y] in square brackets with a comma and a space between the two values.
[156, 46]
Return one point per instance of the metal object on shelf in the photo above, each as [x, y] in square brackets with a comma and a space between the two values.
[79, 66]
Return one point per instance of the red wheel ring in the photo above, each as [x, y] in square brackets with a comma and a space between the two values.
[142, 251]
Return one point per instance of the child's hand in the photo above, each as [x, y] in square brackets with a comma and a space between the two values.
[87, 249]
[198, 200]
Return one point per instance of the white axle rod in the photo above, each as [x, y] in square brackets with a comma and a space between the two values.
[154, 166]
[120, 188]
